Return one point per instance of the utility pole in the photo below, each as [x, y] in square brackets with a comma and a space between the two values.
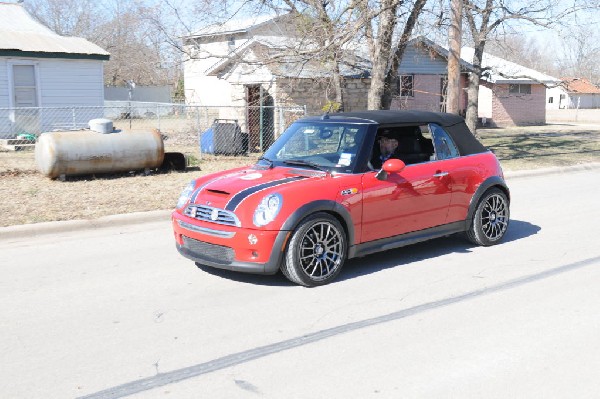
[454, 44]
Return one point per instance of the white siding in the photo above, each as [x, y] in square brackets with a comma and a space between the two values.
[59, 83]
[421, 61]
[204, 90]
[3, 83]
[554, 93]
[485, 102]
[71, 82]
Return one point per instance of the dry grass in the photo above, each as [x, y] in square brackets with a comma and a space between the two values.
[29, 197]
[534, 147]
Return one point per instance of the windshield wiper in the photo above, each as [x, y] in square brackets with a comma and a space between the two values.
[300, 162]
[268, 160]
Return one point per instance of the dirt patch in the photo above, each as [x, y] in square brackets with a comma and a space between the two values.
[29, 197]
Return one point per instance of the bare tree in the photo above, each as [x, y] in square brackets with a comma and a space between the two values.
[526, 51]
[66, 17]
[338, 26]
[581, 53]
[386, 53]
[484, 17]
[117, 26]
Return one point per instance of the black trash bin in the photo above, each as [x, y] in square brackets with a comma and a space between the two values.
[228, 138]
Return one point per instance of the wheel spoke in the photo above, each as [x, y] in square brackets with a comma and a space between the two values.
[320, 253]
[494, 217]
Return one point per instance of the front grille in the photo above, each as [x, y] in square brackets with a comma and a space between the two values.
[210, 252]
[213, 215]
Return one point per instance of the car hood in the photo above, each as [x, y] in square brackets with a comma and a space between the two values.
[229, 190]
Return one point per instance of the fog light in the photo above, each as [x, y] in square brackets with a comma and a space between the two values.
[252, 239]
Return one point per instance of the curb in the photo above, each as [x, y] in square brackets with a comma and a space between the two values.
[38, 229]
[517, 174]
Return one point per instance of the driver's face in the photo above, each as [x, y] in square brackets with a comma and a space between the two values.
[387, 145]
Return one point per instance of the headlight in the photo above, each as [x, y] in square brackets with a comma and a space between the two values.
[267, 210]
[185, 195]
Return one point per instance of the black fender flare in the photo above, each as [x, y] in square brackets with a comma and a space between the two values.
[328, 206]
[490, 182]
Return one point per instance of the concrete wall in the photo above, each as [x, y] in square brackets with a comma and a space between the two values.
[155, 94]
[573, 115]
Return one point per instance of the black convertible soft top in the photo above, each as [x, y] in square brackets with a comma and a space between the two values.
[454, 124]
[385, 117]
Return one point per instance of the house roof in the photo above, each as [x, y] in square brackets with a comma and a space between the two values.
[579, 86]
[291, 65]
[22, 35]
[501, 71]
[234, 26]
[441, 51]
[355, 61]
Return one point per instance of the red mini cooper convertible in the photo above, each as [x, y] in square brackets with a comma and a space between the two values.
[342, 186]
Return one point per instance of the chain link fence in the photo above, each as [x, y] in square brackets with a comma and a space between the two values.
[197, 131]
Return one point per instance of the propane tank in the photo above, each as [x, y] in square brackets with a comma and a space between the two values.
[84, 152]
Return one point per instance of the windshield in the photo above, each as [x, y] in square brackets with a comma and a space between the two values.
[319, 145]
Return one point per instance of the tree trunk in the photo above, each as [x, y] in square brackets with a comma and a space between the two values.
[337, 85]
[392, 75]
[473, 90]
[382, 54]
[454, 43]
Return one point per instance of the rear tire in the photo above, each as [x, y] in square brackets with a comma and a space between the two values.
[491, 218]
[316, 252]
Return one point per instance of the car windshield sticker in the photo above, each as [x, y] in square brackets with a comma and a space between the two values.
[251, 176]
[345, 159]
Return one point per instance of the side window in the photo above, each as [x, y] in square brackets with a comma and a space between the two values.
[443, 145]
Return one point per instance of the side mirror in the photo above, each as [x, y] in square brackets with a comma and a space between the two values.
[390, 166]
[393, 165]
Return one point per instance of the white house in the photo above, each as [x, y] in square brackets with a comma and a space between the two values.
[216, 44]
[229, 65]
[39, 68]
[573, 93]
[509, 94]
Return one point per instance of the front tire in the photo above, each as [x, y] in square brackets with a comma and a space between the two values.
[316, 252]
[491, 218]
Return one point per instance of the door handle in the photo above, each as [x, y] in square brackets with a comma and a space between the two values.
[440, 174]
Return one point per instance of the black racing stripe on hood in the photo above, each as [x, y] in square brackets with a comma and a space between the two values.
[239, 197]
[195, 194]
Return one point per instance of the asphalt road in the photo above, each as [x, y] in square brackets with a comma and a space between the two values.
[115, 311]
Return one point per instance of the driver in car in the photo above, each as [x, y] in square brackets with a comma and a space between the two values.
[388, 148]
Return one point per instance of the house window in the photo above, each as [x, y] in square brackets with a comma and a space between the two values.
[405, 86]
[519, 89]
[24, 84]
[550, 100]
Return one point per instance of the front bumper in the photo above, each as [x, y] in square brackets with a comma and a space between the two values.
[228, 247]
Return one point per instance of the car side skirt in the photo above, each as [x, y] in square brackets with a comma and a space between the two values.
[402, 240]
